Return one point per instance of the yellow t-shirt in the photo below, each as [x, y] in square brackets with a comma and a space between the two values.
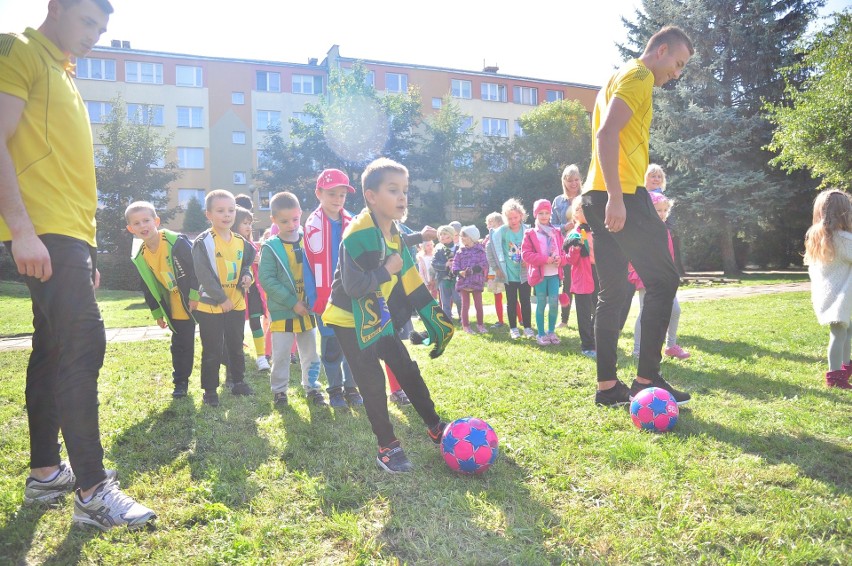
[229, 262]
[340, 317]
[162, 269]
[51, 148]
[634, 84]
[295, 257]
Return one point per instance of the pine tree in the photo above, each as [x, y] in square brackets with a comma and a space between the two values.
[194, 220]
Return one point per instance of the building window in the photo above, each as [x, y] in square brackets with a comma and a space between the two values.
[265, 197]
[96, 69]
[160, 163]
[305, 118]
[268, 118]
[188, 76]
[555, 95]
[238, 98]
[307, 84]
[265, 161]
[370, 79]
[190, 157]
[461, 89]
[466, 125]
[239, 177]
[437, 103]
[525, 95]
[146, 73]
[396, 82]
[493, 91]
[186, 195]
[145, 114]
[268, 82]
[519, 131]
[495, 127]
[99, 112]
[238, 138]
[189, 117]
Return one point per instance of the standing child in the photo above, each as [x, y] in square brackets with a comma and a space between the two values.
[495, 283]
[581, 256]
[471, 268]
[828, 255]
[255, 297]
[424, 266]
[164, 261]
[323, 233]
[663, 206]
[376, 288]
[290, 294]
[507, 245]
[542, 252]
[222, 261]
[442, 263]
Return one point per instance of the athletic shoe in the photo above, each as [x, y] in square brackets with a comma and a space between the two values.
[529, 333]
[681, 397]
[281, 400]
[400, 398]
[677, 352]
[481, 329]
[436, 433]
[36, 491]
[317, 398]
[263, 364]
[210, 398]
[353, 397]
[562, 325]
[514, 333]
[554, 339]
[336, 399]
[392, 459]
[613, 397]
[242, 388]
[590, 354]
[180, 391]
[109, 508]
[498, 325]
[542, 340]
[468, 329]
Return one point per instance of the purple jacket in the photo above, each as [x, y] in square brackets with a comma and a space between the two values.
[465, 260]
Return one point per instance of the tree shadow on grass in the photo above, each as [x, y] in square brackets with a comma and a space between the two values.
[739, 350]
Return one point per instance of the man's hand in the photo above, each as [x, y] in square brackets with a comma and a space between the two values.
[615, 215]
[97, 280]
[32, 258]
[428, 233]
[227, 306]
[393, 264]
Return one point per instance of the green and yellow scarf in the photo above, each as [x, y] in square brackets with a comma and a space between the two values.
[365, 244]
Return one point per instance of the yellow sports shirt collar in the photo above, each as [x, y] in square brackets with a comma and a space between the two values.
[51, 48]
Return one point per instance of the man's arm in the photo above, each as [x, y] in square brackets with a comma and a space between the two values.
[618, 113]
[31, 256]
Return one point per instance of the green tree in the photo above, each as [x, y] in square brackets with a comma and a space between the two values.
[813, 120]
[131, 167]
[194, 219]
[709, 130]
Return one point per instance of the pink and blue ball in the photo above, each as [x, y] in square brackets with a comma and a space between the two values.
[469, 446]
[654, 409]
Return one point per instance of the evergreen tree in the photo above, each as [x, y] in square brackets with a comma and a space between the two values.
[194, 219]
[708, 129]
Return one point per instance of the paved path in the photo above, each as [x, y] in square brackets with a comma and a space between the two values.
[686, 295]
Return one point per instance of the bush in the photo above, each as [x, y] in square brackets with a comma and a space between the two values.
[117, 272]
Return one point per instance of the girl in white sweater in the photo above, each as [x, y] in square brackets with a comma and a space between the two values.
[828, 255]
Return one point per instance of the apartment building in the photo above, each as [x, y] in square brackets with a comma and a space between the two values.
[218, 110]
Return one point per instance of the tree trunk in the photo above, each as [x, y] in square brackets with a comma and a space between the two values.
[726, 246]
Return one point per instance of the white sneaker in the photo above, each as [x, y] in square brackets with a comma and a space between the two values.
[263, 364]
[109, 508]
[514, 333]
[529, 333]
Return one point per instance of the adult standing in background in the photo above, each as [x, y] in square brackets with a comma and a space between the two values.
[48, 198]
[571, 185]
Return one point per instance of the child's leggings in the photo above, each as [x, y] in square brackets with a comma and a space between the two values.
[547, 295]
[498, 306]
[518, 295]
[839, 345]
[477, 304]
[254, 312]
[674, 321]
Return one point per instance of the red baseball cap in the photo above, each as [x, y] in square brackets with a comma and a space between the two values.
[331, 178]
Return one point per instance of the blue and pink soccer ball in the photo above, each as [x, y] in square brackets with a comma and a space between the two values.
[654, 409]
[469, 446]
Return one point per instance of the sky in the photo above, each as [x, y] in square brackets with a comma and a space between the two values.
[573, 41]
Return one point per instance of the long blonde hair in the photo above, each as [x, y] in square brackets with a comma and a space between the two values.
[832, 213]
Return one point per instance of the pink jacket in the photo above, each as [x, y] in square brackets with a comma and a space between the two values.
[536, 258]
[634, 278]
[582, 278]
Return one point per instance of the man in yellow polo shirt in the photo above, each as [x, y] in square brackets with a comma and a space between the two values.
[48, 199]
[623, 219]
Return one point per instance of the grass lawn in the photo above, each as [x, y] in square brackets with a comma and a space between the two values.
[757, 471]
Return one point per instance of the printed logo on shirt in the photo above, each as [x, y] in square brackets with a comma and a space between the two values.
[514, 252]
[169, 278]
[230, 271]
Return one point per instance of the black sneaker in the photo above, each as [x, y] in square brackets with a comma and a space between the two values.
[681, 397]
[392, 459]
[436, 433]
[617, 396]
[353, 397]
[242, 388]
[317, 398]
[281, 399]
[210, 398]
[179, 391]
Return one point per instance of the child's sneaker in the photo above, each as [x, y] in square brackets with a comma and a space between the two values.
[180, 391]
[554, 339]
[591, 354]
[498, 325]
[336, 399]
[481, 328]
[529, 333]
[36, 491]
[353, 397]
[436, 433]
[681, 397]
[393, 459]
[317, 398]
[109, 508]
[210, 398]
[562, 325]
[468, 329]
[514, 333]
[677, 352]
[242, 388]
[263, 364]
[281, 399]
[400, 398]
[613, 397]
[542, 340]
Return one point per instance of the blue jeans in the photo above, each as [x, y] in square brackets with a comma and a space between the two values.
[69, 342]
[547, 295]
[336, 367]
